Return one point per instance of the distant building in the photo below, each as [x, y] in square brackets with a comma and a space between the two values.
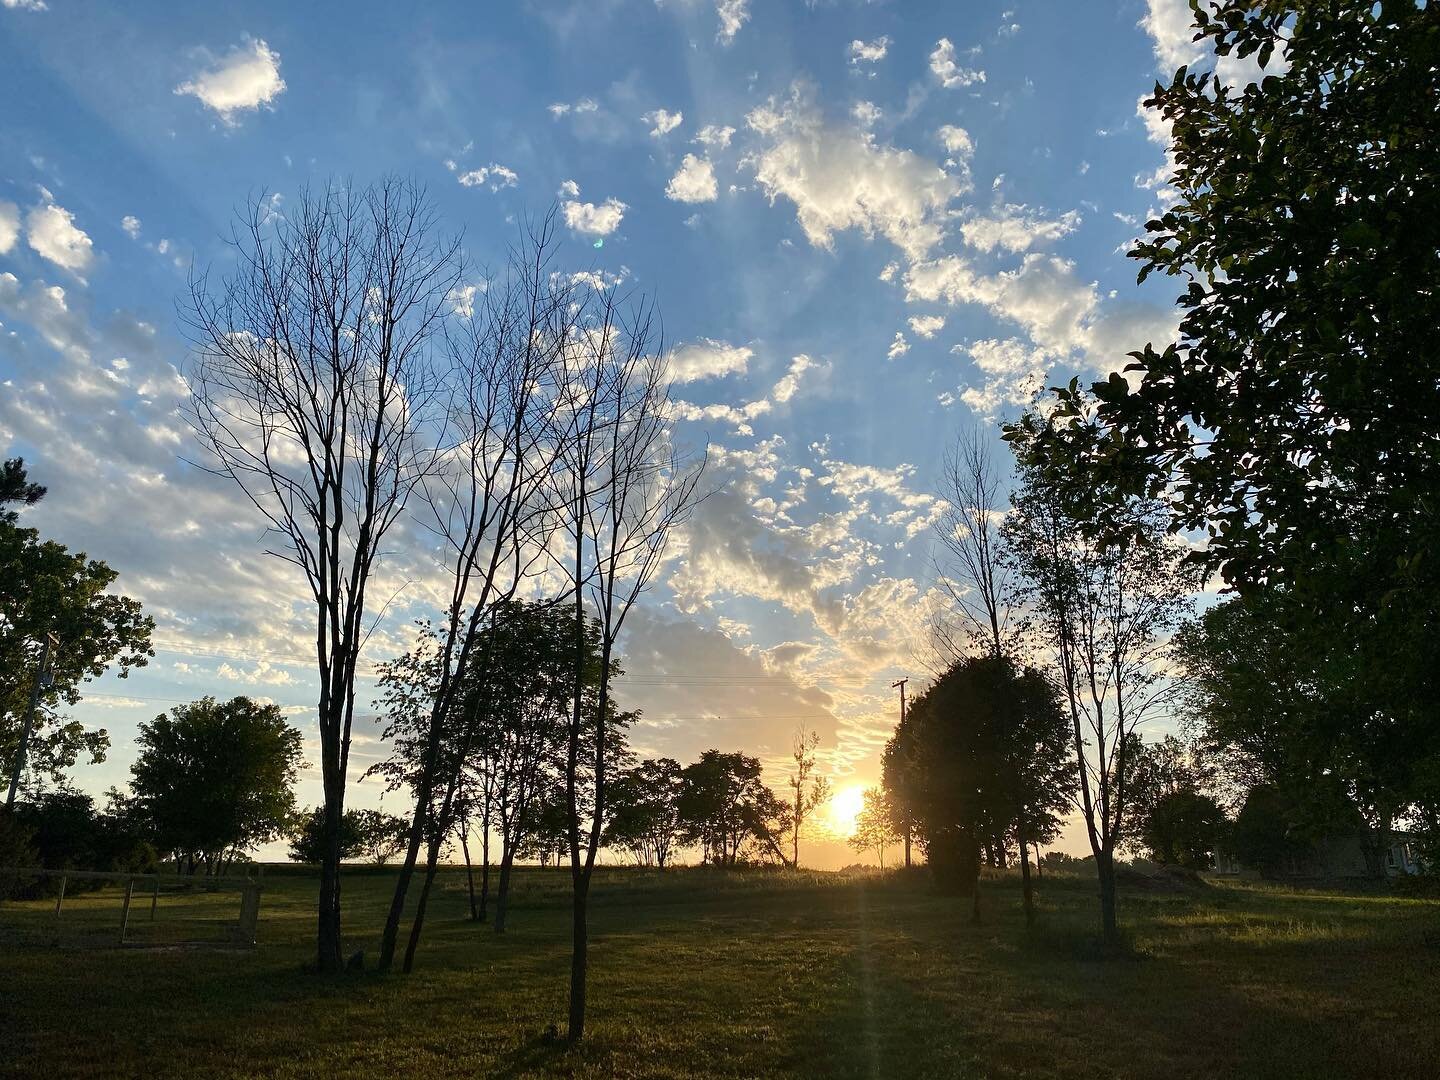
[1333, 857]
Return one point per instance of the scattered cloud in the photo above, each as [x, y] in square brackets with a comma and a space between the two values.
[733, 14]
[590, 218]
[492, 176]
[868, 52]
[662, 122]
[898, 348]
[951, 74]
[927, 326]
[245, 78]
[713, 135]
[51, 231]
[9, 225]
[580, 108]
[694, 182]
[1017, 228]
[708, 359]
[25, 5]
[131, 224]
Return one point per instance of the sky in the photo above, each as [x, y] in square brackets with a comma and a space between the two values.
[868, 226]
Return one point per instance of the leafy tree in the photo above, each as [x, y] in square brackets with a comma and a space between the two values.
[898, 781]
[727, 810]
[986, 744]
[45, 589]
[875, 826]
[645, 811]
[307, 837]
[1183, 828]
[1295, 420]
[382, 835]
[213, 779]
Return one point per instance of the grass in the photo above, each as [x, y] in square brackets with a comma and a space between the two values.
[707, 973]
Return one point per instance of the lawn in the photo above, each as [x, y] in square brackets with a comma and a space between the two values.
[709, 973]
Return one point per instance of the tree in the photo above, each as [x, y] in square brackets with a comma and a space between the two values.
[382, 835]
[489, 504]
[645, 812]
[308, 841]
[806, 791]
[1174, 819]
[986, 748]
[621, 488]
[1183, 829]
[1294, 422]
[875, 826]
[213, 780]
[898, 781]
[1103, 587]
[726, 809]
[47, 590]
[312, 390]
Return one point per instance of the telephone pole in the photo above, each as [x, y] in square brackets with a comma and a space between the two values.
[42, 680]
[901, 684]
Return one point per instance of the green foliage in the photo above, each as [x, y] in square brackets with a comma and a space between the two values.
[875, 828]
[1183, 828]
[62, 829]
[46, 589]
[985, 746]
[307, 836]
[213, 779]
[726, 810]
[643, 811]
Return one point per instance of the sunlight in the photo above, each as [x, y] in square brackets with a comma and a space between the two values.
[844, 808]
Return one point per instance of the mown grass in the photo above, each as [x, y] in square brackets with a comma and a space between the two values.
[704, 973]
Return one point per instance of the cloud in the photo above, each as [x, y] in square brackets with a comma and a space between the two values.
[867, 114]
[927, 326]
[898, 348]
[247, 77]
[951, 74]
[708, 359]
[492, 175]
[590, 218]
[740, 416]
[131, 224]
[841, 179]
[663, 122]
[1013, 371]
[264, 673]
[714, 135]
[25, 5]
[694, 182]
[51, 231]
[868, 52]
[9, 225]
[956, 140]
[1017, 228]
[581, 107]
[733, 14]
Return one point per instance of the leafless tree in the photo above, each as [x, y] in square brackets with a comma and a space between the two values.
[623, 488]
[312, 388]
[807, 792]
[488, 504]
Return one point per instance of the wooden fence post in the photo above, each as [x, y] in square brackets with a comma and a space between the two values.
[125, 911]
[249, 914]
[154, 899]
[60, 899]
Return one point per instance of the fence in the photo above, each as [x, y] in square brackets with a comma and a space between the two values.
[112, 909]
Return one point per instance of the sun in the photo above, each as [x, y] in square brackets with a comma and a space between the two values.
[844, 808]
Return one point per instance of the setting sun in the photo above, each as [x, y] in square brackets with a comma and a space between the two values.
[844, 808]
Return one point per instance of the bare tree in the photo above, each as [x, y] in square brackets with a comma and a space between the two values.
[312, 389]
[487, 504]
[807, 792]
[1103, 595]
[623, 488]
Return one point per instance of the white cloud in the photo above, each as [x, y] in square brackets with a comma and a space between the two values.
[708, 359]
[898, 348]
[9, 225]
[951, 74]
[590, 218]
[462, 299]
[247, 77]
[845, 179]
[663, 122]
[868, 52]
[25, 5]
[714, 135]
[1170, 24]
[733, 14]
[956, 140]
[52, 232]
[1017, 228]
[740, 416]
[131, 224]
[581, 107]
[1013, 374]
[694, 182]
[867, 114]
[492, 175]
[927, 326]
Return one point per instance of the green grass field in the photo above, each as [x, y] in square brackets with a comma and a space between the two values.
[700, 973]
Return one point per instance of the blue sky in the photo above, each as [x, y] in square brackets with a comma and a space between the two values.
[867, 226]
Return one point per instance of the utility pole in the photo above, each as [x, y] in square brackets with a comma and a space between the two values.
[901, 684]
[42, 680]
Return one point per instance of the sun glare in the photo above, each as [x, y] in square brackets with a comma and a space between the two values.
[845, 807]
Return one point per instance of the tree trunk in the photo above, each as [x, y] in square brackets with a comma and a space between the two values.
[469, 876]
[432, 859]
[1026, 890]
[907, 845]
[502, 896]
[484, 874]
[1109, 922]
[328, 947]
[579, 958]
